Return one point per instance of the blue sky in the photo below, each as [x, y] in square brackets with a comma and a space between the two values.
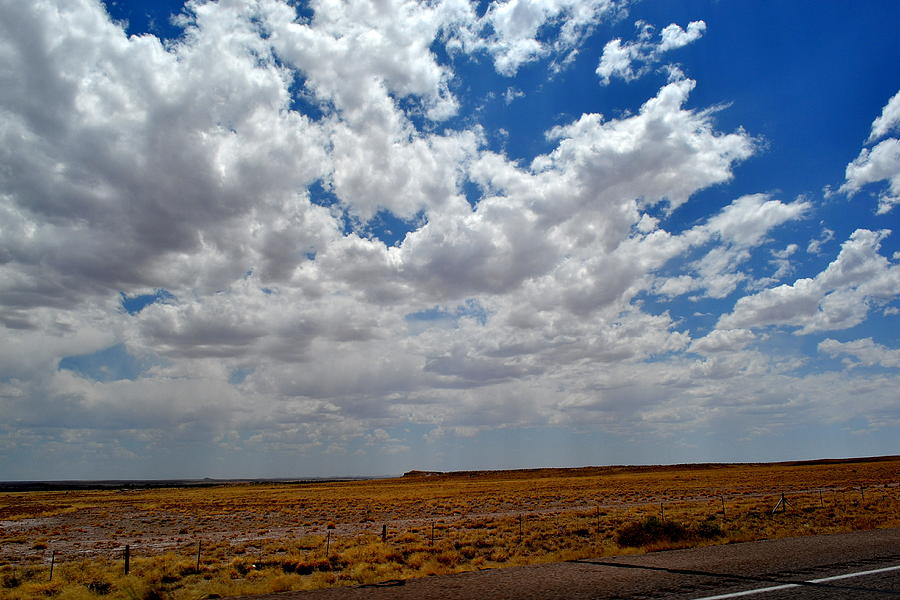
[257, 238]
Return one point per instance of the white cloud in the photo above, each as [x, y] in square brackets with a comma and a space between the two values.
[865, 351]
[630, 60]
[815, 245]
[676, 286]
[684, 151]
[673, 36]
[747, 220]
[881, 163]
[512, 94]
[837, 298]
[888, 121]
[617, 60]
[781, 261]
[728, 340]
[516, 26]
[737, 229]
[155, 160]
[580, 201]
[355, 54]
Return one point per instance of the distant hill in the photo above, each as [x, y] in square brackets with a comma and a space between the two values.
[612, 469]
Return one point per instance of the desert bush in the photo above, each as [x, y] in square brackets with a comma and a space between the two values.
[307, 567]
[99, 587]
[651, 531]
[10, 580]
[447, 558]
[709, 530]
[499, 555]
[582, 532]
[655, 532]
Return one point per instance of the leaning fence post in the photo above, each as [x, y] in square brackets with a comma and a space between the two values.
[52, 562]
[328, 544]
[782, 503]
[199, 546]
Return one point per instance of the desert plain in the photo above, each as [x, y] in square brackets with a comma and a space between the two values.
[240, 538]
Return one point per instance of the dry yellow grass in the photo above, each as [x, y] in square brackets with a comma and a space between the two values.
[266, 538]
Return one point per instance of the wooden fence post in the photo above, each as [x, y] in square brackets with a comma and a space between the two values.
[127, 558]
[52, 562]
[199, 546]
[384, 533]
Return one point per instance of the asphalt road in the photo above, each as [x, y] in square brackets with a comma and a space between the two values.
[863, 564]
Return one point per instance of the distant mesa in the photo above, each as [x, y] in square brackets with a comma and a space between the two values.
[618, 469]
[415, 473]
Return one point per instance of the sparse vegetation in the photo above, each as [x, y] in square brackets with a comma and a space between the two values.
[653, 532]
[268, 538]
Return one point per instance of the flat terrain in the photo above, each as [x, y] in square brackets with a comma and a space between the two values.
[785, 568]
[251, 538]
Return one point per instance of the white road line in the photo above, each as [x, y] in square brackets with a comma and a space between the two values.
[751, 592]
[859, 574]
[793, 585]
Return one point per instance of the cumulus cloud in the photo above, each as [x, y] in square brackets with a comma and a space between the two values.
[736, 230]
[861, 352]
[888, 121]
[354, 54]
[673, 36]
[719, 340]
[580, 201]
[837, 298]
[881, 163]
[631, 60]
[517, 27]
[155, 161]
